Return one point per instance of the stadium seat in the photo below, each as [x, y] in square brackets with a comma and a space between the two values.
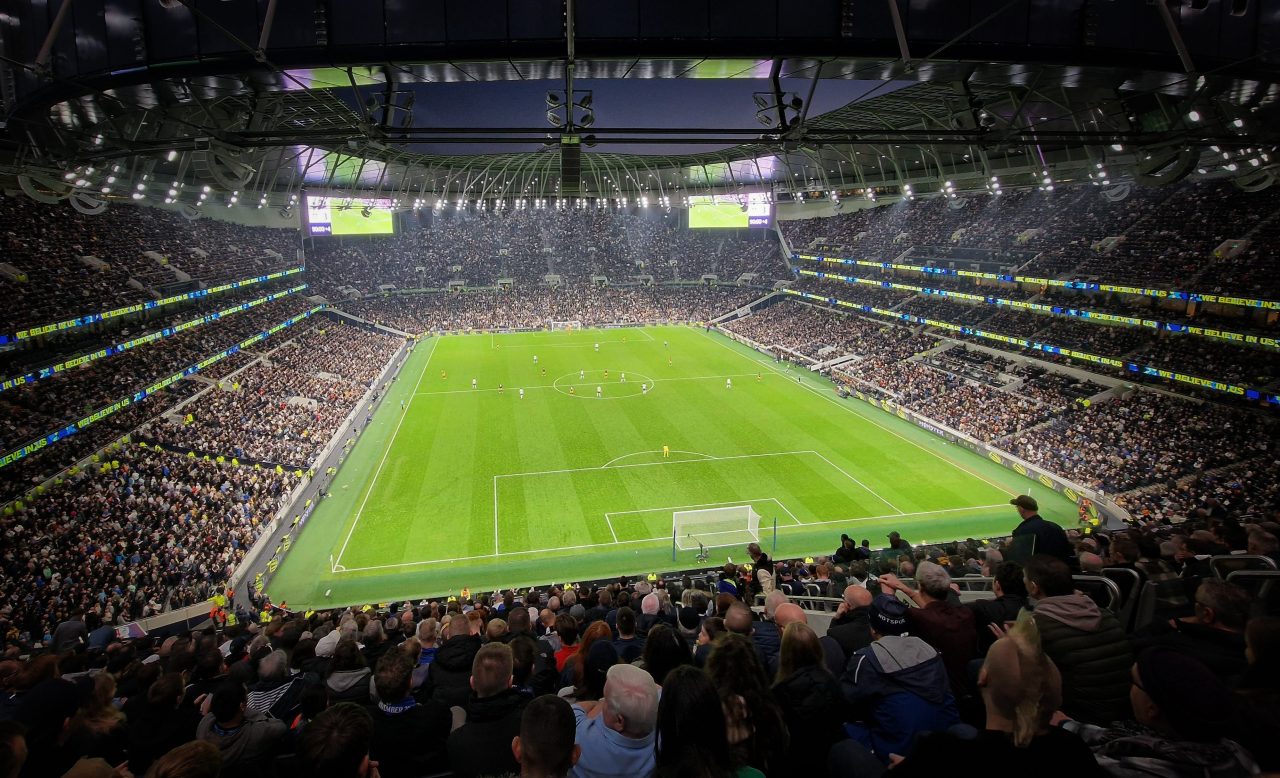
[1263, 587]
[1226, 564]
[1101, 590]
[1130, 585]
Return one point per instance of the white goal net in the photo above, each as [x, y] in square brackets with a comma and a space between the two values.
[566, 325]
[712, 527]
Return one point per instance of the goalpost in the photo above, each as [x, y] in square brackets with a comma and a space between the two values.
[715, 527]
[575, 324]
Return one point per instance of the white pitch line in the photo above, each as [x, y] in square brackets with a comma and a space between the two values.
[383, 461]
[870, 419]
[653, 464]
[611, 532]
[694, 506]
[514, 387]
[673, 451]
[873, 492]
[495, 515]
[654, 540]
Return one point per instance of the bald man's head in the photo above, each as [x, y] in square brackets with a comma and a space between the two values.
[789, 613]
[738, 619]
[857, 597]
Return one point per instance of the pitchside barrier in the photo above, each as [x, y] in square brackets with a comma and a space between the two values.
[1098, 505]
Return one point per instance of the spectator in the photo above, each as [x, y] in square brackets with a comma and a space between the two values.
[492, 717]
[628, 645]
[809, 697]
[399, 719]
[1258, 693]
[664, 651]
[278, 692]
[851, 627]
[545, 747]
[1035, 535]
[449, 677]
[757, 734]
[337, 743]
[947, 627]
[567, 630]
[1085, 642]
[759, 561]
[245, 737]
[1184, 713]
[1214, 634]
[1021, 689]
[348, 677]
[692, 734]
[897, 687]
[1010, 598]
[616, 734]
[71, 634]
[158, 722]
[196, 759]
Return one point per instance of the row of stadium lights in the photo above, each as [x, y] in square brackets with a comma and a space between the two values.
[539, 203]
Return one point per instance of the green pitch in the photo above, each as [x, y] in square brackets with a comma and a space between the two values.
[482, 489]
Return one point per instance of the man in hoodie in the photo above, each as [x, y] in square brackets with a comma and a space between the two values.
[1086, 643]
[245, 737]
[491, 718]
[448, 682]
[896, 687]
[408, 736]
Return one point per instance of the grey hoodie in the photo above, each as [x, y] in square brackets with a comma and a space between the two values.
[251, 742]
[1073, 610]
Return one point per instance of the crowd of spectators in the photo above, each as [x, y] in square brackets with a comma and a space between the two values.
[718, 672]
[136, 532]
[38, 408]
[434, 248]
[543, 307]
[1143, 439]
[46, 245]
[287, 406]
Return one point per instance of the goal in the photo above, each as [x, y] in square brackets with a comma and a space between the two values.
[713, 527]
[566, 325]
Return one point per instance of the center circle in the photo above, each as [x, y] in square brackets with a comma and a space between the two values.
[613, 386]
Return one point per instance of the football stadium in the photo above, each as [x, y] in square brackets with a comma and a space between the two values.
[567, 388]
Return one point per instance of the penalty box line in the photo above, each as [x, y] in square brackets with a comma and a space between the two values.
[585, 546]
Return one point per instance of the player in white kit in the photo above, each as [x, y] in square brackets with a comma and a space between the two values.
[599, 392]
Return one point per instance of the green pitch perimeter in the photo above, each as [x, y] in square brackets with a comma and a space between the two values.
[479, 488]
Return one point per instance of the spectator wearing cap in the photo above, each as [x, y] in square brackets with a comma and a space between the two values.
[1086, 643]
[1035, 535]
[897, 687]
[897, 545]
[850, 627]
[491, 717]
[1214, 634]
[947, 627]
[689, 622]
[1184, 714]
[616, 734]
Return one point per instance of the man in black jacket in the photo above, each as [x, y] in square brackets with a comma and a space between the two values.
[1011, 597]
[850, 628]
[447, 682]
[1045, 537]
[542, 677]
[408, 736]
[491, 719]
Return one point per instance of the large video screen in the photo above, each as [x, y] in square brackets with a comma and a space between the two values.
[349, 216]
[754, 209]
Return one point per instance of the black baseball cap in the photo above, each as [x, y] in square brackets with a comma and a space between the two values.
[1026, 502]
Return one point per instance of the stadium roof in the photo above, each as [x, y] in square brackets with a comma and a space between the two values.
[469, 98]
